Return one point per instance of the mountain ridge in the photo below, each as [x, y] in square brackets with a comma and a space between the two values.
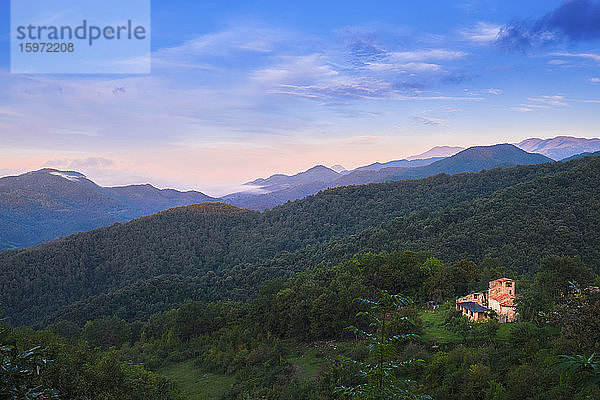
[437, 151]
[560, 147]
[473, 159]
[63, 202]
[222, 256]
[48, 203]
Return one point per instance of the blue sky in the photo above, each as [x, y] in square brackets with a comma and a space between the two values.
[242, 89]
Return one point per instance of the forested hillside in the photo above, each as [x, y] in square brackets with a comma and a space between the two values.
[554, 214]
[222, 252]
[46, 204]
[291, 342]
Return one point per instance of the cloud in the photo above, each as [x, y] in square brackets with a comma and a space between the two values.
[430, 121]
[494, 91]
[587, 56]
[594, 80]
[521, 109]
[9, 112]
[77, 132]
[414, 61]
[264, 86]
[557, 62]
[11, 171]
[81, 163]
[372, 72]
[199, 53]
[92, 162]
[556, 100]
[245, 38]
[296, 70]
[542, 103]
[365, 140]
[409, 67]
[363, 49]
[481, 33]
[572, 20]
[316, 77]
[451, 110]
[424, 55]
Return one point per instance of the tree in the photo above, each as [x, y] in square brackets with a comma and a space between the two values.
[584, 370]
[466, 275]
[380, 374]
[19, 372]
[578, 316]
[441, 285]
[106, 332]
[551, 284]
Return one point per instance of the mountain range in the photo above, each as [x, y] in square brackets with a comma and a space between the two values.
[560, 147]
[46, 204]
[43, 205]
[215, 251]
[281, 188]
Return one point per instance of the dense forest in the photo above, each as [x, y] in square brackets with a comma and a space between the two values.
[214, 251]
[319, 298]
[291, 342]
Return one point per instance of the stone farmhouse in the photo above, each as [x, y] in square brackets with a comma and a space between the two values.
[499, 298]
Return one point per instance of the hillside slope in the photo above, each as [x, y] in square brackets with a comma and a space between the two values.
[225, 246]
[46, 204]
[551, 212]
[555, 214]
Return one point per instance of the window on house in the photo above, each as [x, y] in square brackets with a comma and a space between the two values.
[508, 284]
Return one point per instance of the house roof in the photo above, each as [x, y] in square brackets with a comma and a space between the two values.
[503, 280]
[505, 300]
[472, 306]
[501, 297]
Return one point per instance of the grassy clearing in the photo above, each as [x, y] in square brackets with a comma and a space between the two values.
[307, 365]
[310, 359]
[194, 384]
[435, 330]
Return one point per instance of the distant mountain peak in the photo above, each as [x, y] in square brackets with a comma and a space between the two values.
[69, 175]
[499, 153]
[317, 167]
[338, 168]
[50, 203]
[560, 147]
[317, 173]
[437, 151]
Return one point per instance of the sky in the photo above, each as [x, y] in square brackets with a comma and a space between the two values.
[244, 89]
